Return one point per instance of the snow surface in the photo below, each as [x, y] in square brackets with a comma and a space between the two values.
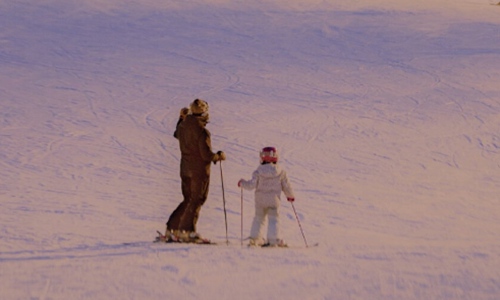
[386, 113]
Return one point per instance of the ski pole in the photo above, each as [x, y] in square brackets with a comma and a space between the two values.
[242, 216]
[223, 200]
[300, 226]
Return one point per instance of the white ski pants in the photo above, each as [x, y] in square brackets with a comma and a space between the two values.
[259, 220]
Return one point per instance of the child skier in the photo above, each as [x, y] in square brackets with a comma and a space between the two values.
[269, 180]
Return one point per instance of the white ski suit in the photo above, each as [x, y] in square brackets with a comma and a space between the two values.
[269, 180]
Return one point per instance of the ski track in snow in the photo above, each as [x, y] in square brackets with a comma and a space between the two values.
[385, 113]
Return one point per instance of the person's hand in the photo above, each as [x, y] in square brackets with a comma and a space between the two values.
[219, 156]
[239, 182]
[183, 113]
[222, 155]
[290, 199]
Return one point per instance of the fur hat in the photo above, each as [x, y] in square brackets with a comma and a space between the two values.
[199, 107]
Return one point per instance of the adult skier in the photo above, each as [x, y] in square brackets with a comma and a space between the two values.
[196, 157]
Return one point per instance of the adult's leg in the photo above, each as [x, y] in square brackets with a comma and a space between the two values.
[175, 220]
[199, 192]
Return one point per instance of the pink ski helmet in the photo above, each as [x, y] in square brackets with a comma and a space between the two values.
[269, 155]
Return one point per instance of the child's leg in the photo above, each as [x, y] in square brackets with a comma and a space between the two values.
[258, 222]
[273, 231]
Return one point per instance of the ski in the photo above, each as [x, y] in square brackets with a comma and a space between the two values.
[286, 246]
[267, 245]
[163, 239]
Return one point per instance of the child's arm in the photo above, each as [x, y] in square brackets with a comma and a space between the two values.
[249, 184]
[286, 187]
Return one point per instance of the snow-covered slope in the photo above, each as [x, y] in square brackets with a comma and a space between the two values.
[386, 114]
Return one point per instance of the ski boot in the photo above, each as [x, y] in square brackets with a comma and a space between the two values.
[275, 243]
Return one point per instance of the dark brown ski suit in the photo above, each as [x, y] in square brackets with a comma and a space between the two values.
[196, 157]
